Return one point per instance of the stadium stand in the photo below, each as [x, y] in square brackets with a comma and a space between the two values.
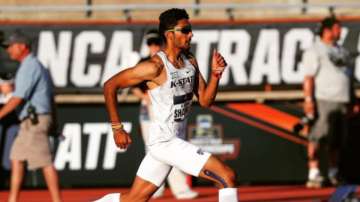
[199, 9]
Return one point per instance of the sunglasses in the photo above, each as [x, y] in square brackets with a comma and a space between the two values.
[184, 30]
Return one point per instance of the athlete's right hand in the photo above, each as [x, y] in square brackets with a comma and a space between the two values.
[122, 138]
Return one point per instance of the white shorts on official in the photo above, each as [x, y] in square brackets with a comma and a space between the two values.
[176, 152]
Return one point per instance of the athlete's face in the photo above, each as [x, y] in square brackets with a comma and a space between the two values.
[182, 34]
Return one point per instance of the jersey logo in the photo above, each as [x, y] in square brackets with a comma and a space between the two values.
[181, 82]
[174, 75]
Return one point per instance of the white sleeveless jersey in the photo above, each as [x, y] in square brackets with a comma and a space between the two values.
[171, 101]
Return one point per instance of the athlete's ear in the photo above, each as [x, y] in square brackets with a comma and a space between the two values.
[169, 35]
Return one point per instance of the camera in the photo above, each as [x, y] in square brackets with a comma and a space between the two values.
[32, 115]
[339, 56]
[307, 120]
[6, 76]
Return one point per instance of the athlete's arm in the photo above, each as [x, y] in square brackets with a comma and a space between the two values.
[147, 70]
[206, 93]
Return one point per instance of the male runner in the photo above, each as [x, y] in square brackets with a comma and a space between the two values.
[176, 178]
[172, 76]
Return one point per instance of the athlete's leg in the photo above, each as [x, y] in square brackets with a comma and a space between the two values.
[150, 176]
[178, 185]
[140, 191]
[145, 131]
[192, 160]
[224, 178]
[216, 171]
[159, 192]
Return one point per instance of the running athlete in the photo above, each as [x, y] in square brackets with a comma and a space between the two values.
[176, 179]
[172, 76]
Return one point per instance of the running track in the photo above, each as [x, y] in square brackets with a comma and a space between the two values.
[207, 194]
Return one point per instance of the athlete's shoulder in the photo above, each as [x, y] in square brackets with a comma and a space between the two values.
[157, 64]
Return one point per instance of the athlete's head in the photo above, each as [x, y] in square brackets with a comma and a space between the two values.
[175, 27]
[330, 28]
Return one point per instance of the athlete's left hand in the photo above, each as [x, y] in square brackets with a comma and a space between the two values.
[122, 138]
[218, 64]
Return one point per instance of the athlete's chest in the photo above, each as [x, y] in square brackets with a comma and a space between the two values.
[182, 79]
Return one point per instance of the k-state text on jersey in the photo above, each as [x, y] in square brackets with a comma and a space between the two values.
[181, 82]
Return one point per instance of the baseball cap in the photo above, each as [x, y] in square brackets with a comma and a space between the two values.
[16, 37]
[153, 37]
[6, 77]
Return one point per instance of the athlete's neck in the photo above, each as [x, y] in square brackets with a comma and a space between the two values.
[173, 54]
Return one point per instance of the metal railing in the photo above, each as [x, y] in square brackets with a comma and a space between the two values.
[88, 8]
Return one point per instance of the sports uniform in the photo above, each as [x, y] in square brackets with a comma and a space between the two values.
[171, 103]
[171, 99]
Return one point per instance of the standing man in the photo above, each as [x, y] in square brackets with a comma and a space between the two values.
[176, 179]
[34, 97]
[9, 126]
[172, 76]
[328, 93]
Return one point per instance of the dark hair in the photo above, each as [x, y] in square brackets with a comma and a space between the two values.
[153, 37]
[7, 76]
[327, 23]
[169, 19]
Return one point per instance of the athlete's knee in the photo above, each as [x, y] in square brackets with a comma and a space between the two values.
[224, 179]
[230, 177]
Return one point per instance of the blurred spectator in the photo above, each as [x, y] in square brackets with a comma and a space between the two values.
[328, 94]
[33, 97]
[176, 179]
[9, 126]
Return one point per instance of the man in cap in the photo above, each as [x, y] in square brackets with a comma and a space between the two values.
[330, 97]
[34, 97]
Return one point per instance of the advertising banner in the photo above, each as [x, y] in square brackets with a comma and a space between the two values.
[85, 154]
[257, 140]
[260, 147]
[81, 56]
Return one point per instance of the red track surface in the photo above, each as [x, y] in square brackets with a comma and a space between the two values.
[207, 194]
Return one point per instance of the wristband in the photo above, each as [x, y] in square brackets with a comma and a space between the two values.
[217, 75]
[117, 126]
